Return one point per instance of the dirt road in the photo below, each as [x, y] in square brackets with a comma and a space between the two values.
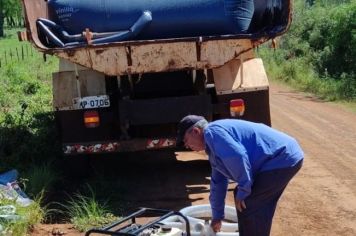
[321, 199]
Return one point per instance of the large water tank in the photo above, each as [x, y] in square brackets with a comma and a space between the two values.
[170, 18]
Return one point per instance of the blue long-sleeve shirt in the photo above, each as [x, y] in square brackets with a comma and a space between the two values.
[238, 150]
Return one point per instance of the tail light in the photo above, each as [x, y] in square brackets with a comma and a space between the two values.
[237, 107]
[91, 119]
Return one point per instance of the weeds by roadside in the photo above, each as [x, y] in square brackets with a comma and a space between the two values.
[22, 219]
[29, 143]
[27, 129]
[317, 54]
[28, 139]
[85, 212]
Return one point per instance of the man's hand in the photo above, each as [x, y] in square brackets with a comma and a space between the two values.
[240, 205]
[216, 225]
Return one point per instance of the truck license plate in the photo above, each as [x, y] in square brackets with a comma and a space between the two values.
[91, 102]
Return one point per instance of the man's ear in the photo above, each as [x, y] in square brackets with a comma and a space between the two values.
[196, 130]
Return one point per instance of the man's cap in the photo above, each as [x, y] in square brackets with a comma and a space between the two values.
[187, 122]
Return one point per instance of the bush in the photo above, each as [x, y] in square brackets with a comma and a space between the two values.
[86, 212]
[28, 137]
[318, 53]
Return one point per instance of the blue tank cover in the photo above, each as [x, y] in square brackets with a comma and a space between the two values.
[113, 21]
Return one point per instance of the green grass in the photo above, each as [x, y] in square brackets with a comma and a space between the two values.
[28, 140]
[27, 129]
[40, 179]
[28, 217]
[299, 73]
[86, 212]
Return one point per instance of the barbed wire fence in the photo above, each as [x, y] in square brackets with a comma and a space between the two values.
[16, 54]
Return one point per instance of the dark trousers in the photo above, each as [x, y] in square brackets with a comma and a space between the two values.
[268, 186]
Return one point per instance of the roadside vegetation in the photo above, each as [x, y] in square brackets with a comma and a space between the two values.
[316, 55]
[27, 136]
[24, 219]
[85, 212]
[29, 143]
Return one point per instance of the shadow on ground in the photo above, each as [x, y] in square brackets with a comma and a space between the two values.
[155, 179]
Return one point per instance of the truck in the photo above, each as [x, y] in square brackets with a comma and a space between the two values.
[128, 95]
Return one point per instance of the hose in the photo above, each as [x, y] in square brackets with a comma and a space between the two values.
[58, 36]
[198, 226]
[49, 34]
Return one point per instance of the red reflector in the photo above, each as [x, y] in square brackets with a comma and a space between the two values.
[237, 107]
[91, 119]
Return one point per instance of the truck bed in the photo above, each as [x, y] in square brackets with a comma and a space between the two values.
[144, 56]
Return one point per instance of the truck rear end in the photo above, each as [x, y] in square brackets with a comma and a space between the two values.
[128, 94]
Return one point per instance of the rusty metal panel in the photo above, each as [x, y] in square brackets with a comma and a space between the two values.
[65, 65]
[163, 57]
[109, 60]
[218, 52]
[157, 57]
[34, 10]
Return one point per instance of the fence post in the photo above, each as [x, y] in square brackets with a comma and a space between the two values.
[22, 53]
[17, 54]
[11, 55]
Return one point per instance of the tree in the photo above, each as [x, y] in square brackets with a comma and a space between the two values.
[2, 18]
[10, 11]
